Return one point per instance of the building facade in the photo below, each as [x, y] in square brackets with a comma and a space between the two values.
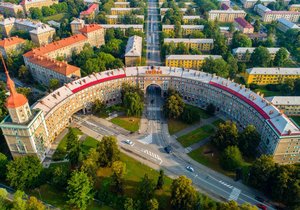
[268, 15]
[164, 10]
[284, 25]
[11, 9]
[12, 44]
[244, 26]
[289, 104]
[27, 4]
[133, 51]
[186, 29]
[226, 15]
[279, 135]
[123, 11]
[244, 53]
[188, 61]
[251, 3]
[90, 13]
[197, 44]
[122, 4]
[117, 19]
[265, 76]
[124, 27]
[294, 7]
[76, 25]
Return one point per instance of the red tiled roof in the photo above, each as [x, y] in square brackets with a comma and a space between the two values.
[57, 45]
[57, 66]
[11, 41]
[90, 28]
[91, 9]
[225, 6]
[243, 22]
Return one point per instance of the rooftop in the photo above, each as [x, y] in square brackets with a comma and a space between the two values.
[90, 27]
[284, 100]
[92, 8]
[288, 24]
[191, 57]
[272, 50]
[242, 22]
[186, 40]
[278, 70]
[6, 42]
[134, 46]
[105, 26]
[262, 7]
[229, 11]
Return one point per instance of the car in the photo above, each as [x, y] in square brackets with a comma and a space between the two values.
[261, 206]
[190, 168]
[127, 141]
[260, 199]
[168, 149]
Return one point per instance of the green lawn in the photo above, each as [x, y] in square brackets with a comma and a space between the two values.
[209, 156]
[196, 135]
[175, 126]
[217, 122]
[203, 113]
[57, 17]
[89, 143]
[61, 152]
[128, 123]
[296, 119]
[267, 93]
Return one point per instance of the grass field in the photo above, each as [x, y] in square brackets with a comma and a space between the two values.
[267, 93]
[89, 143]
[128, 123]
[203, 113]
[196, 135]
[61, 152]
[57, 17]
[175, 126]
[209, 156]
[296, 119]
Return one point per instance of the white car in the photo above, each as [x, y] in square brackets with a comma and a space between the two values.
[190, 168]
[127, 141]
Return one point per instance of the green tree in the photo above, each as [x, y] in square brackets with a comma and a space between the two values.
[19, 202]
[24, 73]
[3, 164]
[231, 158]
[152, 204]
[174, 106]
[261, 57]
[35, 13]
[133, 104]
[281, 57]
[34, 204]
[233, 66]
[160, 180]
[72, 139]
[260, 172]
[216, 66]
[226, 135]
[60, 176]
[3, 198]
[146, 189]
[249, 139]
[190, 115]
[257, 25]
[247, 206]
[54, 84]
[108, 151]
[240, 40]
[183, 194]
[119, 170]
[128, 204]
[23, 172]
[79, 190]
[90, 164]
[230, 205]
[75, 155]
[210, 109]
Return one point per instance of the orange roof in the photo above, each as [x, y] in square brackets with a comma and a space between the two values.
[91, 9]
[90, 28]
[11, 41]
[57, 66]
[57, 45]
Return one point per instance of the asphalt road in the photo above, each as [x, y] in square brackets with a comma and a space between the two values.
[152, 35]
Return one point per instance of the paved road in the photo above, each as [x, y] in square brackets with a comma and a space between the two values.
[152, 36]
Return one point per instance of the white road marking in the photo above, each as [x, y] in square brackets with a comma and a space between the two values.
[234, 195]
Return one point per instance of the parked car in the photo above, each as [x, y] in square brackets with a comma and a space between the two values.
[190, 168]
[127, 141]
[168, 149]
[261, 206]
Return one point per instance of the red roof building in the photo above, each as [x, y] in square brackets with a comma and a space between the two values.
[243, 25]
[90, 13]
[8, 45]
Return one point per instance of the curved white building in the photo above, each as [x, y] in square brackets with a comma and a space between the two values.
[50, 115]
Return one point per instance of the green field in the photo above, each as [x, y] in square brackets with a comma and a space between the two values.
[57, 17]
[89, 143]
[196, 135]
[203, 113]
[175, 126]
[128, 123]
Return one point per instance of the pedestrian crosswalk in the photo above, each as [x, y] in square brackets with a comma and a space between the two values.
[147, 140]
[234, 195]
[155, 156]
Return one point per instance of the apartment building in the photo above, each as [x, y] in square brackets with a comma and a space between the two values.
[90, 13]
[251, 3]
[76, 25]
[268, 15]
[124, 27]
[133, 51]
[116, 19]
[190, 19]
[12, 44]
[188, 61]
[11, 9]
[164, 10]
[122, 4]
[289, 104]
[294, 7]
[284, 25]
[264, 76]
[198, 44]
[244, 26]
[226, 15]
[27, 4]
[244, 53]
[42, 61]
[123, 11]
[186, 29]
